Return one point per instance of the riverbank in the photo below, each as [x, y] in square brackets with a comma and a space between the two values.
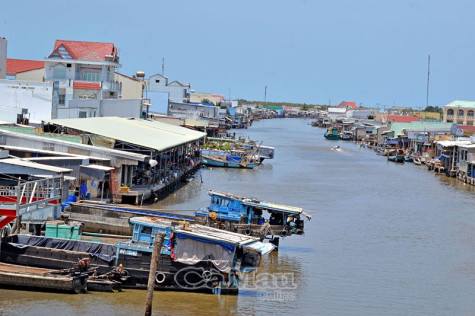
[385, 238]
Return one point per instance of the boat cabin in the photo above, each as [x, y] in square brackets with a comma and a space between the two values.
[249, 216]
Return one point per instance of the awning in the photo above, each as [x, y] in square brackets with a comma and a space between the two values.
[262, 247]
[97, 167]
[94, 171]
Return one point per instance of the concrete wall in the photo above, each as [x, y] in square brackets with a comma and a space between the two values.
[9, 114]
[3, 58]
[176, 92]
[37, 97]
[192, 110]
[105, 107]
[121, 108]
[32, 75]
[158, 101]
[131, 88]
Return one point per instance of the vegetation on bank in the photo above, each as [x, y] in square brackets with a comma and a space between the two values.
[306, 107]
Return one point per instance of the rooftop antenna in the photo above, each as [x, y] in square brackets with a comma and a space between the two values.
[265, 93]
[163, 66]
[428, 76]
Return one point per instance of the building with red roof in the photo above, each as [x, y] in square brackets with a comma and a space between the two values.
[402, 118]
[347, 104]
[84, 70]
[15, 66]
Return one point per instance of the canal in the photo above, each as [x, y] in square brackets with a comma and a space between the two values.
[385, 238]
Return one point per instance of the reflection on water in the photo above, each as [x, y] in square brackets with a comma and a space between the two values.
[385, 238]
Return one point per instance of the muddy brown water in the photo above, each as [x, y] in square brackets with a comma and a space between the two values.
[385, 238]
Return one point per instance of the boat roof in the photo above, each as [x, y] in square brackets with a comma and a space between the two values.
[196, 230]
[263, 204]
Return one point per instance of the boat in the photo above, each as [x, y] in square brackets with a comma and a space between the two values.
[263, 152]
[193, 257]
[398, 156]
[346, 136]
[332, 134]
[252, 217]
[231, 159]
[30, 278]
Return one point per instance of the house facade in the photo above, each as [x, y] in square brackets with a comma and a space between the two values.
[460, 112]
[347, 105]
[177, 92]
[26, 70]
[132, 88]
[84, 70]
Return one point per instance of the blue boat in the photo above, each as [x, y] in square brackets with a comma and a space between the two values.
[232, 159]
[252, 217]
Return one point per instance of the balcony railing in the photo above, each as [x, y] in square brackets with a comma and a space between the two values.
[450, 116]
[115, 86]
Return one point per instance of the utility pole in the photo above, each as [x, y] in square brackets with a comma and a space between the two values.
[163, 66]
[428, 76]
[265, 93]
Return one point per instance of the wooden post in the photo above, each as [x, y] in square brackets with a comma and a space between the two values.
[159, 236]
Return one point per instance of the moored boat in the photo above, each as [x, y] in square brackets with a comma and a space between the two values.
[232, 159]
[398, 156]
[332, 134]
[251, 216]
[193, 257]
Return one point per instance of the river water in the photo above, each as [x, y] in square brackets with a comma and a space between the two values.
[385, 238]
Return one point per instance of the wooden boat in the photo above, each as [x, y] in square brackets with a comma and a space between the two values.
[251, 216]
[252, 147]
[40, 279]
[232, 159]
[398, 157]
[332, 134]
[193, 257]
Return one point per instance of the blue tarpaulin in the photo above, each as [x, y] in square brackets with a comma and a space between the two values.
[392, 142]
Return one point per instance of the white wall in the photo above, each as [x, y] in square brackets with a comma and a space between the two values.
[158, 101]
[3, 58]
[9, 114]
[37, 97]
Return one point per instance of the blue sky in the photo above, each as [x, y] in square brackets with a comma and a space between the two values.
[368, 51]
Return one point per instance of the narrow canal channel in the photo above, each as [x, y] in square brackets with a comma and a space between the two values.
[385, 238]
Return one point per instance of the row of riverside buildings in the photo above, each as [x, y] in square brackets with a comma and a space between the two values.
[73, 114]
[446, 145]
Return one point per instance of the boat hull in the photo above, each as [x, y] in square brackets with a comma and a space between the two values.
[396, 158]
[226, 164]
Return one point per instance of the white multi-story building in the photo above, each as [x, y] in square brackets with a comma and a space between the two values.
[177, 92]
[84, 70]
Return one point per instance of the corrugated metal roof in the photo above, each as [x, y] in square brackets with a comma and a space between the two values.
[29, 164]
[462, 104]
[150, 134]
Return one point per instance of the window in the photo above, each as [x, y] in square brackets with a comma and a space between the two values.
[62, 99]
[470, 113]
[59, 72]
[68, 65]
[450, 112]
[146, 230]
[91, 75]
[157, 81]
[460, 113]
[82, 114]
